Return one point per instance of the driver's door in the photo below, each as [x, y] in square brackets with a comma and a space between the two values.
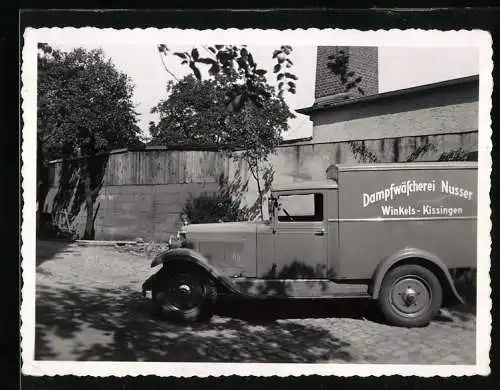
[300, 237]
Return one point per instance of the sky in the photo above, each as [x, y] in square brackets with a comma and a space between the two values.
[398, 68]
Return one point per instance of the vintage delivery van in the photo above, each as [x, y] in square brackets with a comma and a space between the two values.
[391, 232]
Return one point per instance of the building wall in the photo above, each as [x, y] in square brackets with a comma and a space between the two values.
[362, 60]
[310, 161]
[451, 109]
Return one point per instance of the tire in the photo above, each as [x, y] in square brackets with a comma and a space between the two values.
[185, 295]
[410, 296]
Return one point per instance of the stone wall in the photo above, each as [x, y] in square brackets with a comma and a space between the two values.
[150, 212]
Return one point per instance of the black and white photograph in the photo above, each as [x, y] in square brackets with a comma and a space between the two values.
[284, 202]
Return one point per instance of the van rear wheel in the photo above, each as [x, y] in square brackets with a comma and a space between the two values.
[410, 296]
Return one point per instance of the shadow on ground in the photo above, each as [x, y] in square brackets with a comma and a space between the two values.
[106, 325]
[46, 250]
[461, 311]
[117, 325]
[256, 311]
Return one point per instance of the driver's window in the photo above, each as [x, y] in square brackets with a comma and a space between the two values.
[303, 207]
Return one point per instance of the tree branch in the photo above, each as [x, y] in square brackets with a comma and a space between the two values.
[166, 68]
[208, 51]
[255, 174]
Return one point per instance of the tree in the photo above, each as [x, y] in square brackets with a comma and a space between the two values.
[242, 71]
[195, 114]
[235, 108]
[84, 108]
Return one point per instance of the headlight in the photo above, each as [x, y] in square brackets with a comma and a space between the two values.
[178, 240]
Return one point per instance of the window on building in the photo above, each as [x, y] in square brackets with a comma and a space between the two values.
[303, 207]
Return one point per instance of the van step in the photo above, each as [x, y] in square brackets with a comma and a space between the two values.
[299, 288]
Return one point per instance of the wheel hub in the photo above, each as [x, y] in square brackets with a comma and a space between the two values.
[410, 296]
[184, 289]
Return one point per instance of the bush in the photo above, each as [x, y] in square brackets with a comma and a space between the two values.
[220, 206]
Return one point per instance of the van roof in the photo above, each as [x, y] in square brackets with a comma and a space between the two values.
[305, 185]
[334, 168]
[407, 165]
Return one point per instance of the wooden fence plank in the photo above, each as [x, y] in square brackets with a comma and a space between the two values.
[157, 167]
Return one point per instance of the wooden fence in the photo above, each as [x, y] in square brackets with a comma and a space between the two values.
[142, 192]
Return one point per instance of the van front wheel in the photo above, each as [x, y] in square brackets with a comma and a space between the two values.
[410, 296]
[186, 296]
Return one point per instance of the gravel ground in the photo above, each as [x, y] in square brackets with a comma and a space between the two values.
[89, 307]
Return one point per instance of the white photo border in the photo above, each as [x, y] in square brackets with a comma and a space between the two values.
[298, 37]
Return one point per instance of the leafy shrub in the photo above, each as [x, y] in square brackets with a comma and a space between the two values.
[220, 206]
[224, 205]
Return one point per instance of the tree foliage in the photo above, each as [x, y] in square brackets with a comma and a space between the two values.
[196, 113]
[224, 205]
[84, 108]
[240, 69]
[84, 104]
[235, 108]
[213, 208]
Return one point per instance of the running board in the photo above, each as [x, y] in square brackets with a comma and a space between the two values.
[299, 288]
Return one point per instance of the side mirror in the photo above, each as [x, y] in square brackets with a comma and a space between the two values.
[273, 204]
[270, 208]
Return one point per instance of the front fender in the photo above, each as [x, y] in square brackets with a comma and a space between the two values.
[424, 257]
[192, 257]
[176, 253]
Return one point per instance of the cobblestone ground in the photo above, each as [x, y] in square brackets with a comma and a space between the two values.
[89, 307]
